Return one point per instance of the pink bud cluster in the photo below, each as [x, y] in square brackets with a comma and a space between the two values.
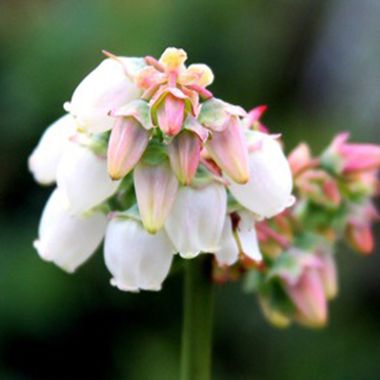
[298, 275]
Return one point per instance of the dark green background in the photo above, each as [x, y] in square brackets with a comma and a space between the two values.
[315, 63]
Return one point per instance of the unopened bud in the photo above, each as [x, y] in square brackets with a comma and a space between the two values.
[309, 298]
[328, 274]
[229, 150]
[156, 188]
[127, 144]
[171, 114]
[184, 154]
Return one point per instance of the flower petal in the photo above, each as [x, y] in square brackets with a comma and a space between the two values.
[66, 239]
[83, 177]
[43, 161]
[171, 114]
[136, 259]
[156, 187]
[107, 87]
[127, 144]
[184, 154]
[246, 233]
[228, 253]
[198, 74]
[229, 150]
[196, 221]
[268, 191]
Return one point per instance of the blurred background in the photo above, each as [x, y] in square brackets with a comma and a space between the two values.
[315, 63]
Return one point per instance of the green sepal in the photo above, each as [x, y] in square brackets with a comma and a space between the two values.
[285, 263]
[155, 153]
[131, 213]
[213, 113]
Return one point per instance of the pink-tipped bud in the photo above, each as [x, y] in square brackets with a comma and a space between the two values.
[229, 150]
[309, 298]
[328, 274]
[156, 188]
[300, 158]
[320, 187]
[127, 144]
[358, 157]
[252, 120]
[358, 231]
[184, 155]
[171, 114]
[360, 237]
[354, 157]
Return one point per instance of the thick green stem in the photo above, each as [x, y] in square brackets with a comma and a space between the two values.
[197, 320]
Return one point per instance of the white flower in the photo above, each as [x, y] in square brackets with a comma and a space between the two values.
[244, 240]
[246, 233]
[45, 157]
[83, 177]
[228, 253]
[196, 220]
[136, 259]
[107, 87]
[268, 191]
[66, 239]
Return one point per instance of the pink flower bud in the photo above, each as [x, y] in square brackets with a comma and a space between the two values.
[355, 157]
[365, 183]
[229, 150]
[252, 120]
[127, 144]
[156, 188]
[300, 158]
[360, 237]
[328, 274]
[320, 187]
[184, 155]
[171, 114]
[358, 230]
[309, 298]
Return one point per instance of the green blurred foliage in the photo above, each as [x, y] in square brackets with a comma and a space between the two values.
[315, 63]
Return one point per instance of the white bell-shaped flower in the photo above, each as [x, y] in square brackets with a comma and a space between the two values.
[196, 220]
[246, 234]
[106, 88]
[228, 253]
[268, 191]
[43, 161]
[136, 259]
[82, 176]
[66, 239]
[242, 240]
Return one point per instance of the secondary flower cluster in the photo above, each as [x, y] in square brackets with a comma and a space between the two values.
[334, 201]
[148, 158]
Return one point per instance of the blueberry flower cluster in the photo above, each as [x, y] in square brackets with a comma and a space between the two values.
[149, 160]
